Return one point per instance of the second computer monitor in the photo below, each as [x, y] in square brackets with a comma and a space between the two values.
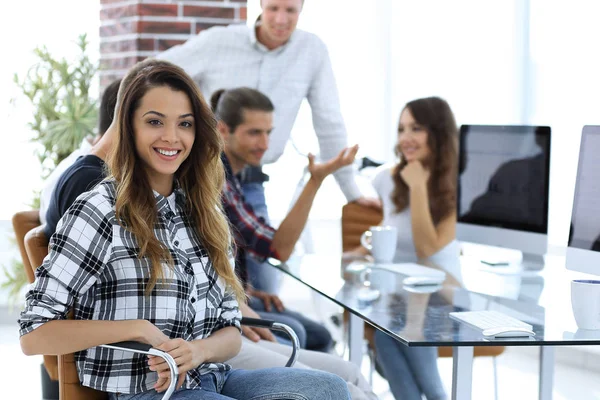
[583, 253]
[503, 186]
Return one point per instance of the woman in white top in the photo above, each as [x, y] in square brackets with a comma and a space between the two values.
[419, 197]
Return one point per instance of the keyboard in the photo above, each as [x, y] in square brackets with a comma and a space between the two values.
[485, 320]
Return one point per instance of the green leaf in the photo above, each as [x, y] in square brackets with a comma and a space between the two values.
[64, 112]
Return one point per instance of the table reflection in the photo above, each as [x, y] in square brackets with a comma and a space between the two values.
[419, 315]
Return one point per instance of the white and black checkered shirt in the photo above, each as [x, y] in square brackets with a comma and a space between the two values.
[230, 57]
[93, 268]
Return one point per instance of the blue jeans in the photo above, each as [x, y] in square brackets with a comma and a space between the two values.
[261, 277]
[312, 335]
[410, 371]
[260, 384]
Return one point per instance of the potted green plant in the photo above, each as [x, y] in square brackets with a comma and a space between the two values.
[64, 113]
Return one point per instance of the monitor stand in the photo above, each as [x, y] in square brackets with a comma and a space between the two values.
[532, 262]
[532, 286]
[508, 261]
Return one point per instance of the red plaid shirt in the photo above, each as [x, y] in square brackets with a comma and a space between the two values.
[252, 233]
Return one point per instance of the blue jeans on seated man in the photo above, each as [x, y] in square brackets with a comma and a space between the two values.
[410, 371]
[261, 277]
[263, 384]
[311, 334]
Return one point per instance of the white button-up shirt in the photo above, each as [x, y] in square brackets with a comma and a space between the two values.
[230, 57]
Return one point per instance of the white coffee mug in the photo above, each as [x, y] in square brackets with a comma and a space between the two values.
[585, 299]
[381, 240]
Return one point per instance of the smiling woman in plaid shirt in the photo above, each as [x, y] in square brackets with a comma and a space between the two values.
[145, 256]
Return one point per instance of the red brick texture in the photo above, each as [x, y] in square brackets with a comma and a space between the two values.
[132, 30]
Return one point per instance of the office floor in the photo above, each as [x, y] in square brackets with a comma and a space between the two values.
[517, 367]
[517, 375]
[517, 379]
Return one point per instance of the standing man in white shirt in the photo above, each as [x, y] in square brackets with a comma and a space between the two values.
[286, 64]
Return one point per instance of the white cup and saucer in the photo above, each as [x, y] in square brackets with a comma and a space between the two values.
[585, 299]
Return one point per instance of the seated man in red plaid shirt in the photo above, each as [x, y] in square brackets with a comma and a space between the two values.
[245, 119]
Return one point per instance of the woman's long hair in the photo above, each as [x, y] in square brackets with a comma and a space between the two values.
[435, 116]
[200, 176]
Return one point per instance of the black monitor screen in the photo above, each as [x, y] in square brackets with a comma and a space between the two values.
[504, 176]
[585, 219]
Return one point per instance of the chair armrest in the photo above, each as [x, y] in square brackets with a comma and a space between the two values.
[142, 348]
[276, 326]
[130, 346]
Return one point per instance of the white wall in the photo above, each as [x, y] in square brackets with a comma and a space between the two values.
[565, 53]
[465, 51]
[50, 25]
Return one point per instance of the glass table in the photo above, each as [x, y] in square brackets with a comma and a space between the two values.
[420, 316]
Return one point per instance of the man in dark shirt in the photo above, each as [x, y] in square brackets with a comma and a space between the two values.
[82, 176]
[87, 171]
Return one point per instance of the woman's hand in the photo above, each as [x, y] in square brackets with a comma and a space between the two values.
[319, 171]
[187, 355]
[253, 333]
[414, 174]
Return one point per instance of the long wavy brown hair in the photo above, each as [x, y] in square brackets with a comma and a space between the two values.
[201, 175]
[436, 117]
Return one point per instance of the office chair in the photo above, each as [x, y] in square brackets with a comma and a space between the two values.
[35, 245]
[23, 222]
[356, 219]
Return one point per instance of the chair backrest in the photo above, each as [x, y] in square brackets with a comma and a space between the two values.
[36, 246]
[63, 367]
[356, 219]
[23, 222]
[69, 386]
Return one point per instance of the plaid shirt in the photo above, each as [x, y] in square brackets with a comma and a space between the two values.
[251, 232]
[93, 267]
[231, 56]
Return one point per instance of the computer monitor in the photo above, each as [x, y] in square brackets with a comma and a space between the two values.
[583, 252]
[503, 186]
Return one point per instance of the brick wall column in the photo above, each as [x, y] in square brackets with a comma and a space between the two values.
[132, 30]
